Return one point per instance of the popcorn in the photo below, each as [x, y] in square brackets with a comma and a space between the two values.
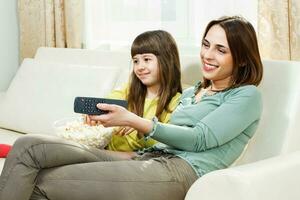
[96, 136]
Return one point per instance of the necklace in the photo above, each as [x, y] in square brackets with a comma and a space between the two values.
[209, 91]
[218, 90]
[203, 93]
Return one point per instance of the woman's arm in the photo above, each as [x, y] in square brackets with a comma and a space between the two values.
[236, 114]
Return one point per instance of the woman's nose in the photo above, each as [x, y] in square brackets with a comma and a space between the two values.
[208, 53]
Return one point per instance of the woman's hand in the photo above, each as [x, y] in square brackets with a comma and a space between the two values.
[119, 116]
[116, 116]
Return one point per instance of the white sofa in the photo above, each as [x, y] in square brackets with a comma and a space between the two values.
[44, 88]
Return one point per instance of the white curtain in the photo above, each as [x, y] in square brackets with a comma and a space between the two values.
[279, 29]
[51, 23]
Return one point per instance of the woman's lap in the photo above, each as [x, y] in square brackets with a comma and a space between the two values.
[33, 153]
[60, 169]
[151, 179]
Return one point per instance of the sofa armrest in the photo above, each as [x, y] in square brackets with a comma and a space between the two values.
[1, 96]
[276, 178]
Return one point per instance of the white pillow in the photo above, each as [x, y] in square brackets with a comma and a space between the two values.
[41, 93]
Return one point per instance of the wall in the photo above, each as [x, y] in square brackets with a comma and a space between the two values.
[9, 42]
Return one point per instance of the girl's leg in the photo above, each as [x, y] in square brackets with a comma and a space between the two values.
[159, 179]
[32, 153]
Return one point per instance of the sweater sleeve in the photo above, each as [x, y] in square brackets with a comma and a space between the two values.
[165, 118]
[240, 110]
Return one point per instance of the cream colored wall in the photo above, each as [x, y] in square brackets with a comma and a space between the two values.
[9, 42]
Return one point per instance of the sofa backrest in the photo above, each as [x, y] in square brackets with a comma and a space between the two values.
[190, 70]
[84, 57]
[87, 57]
[279, 129]
[43, 92]
[190, 65]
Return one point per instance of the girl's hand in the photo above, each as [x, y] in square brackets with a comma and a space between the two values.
[87, 120]
[124, 130]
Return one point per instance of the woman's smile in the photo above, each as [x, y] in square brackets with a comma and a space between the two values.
[209, 67]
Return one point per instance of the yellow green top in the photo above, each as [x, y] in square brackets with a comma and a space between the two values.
[132, 142]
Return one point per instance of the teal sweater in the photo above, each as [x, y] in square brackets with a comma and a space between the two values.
[212, 133]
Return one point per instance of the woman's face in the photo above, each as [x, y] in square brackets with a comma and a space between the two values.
[145, 67]
[217, 62]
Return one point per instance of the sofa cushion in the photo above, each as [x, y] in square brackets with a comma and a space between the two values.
[8, 136]
[41, 93]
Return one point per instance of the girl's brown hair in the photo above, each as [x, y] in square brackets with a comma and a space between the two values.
[242, 41]
[163, 46]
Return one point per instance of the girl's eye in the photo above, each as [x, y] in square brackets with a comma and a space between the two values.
[147, 59]
[135, 61]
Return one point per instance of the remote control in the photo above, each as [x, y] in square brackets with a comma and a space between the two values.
[87, 105]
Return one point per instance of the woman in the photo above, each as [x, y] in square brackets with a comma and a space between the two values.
[208, 130]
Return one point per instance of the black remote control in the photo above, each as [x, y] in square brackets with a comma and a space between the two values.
[87, 105]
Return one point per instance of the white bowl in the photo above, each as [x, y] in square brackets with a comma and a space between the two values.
[74, 129]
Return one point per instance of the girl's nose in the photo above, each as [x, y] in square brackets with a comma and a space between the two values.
[141, 66]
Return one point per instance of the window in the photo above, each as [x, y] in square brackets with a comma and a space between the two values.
[113, 24]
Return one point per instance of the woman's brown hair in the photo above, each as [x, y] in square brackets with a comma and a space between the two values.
[163, 46]
[242, 41]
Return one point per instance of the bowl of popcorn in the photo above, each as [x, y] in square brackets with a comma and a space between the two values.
[76, 130]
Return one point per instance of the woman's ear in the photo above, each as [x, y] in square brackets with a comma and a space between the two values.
[243, 64]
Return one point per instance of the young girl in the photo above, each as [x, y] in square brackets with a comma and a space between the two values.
[207, 131]
[153, 90]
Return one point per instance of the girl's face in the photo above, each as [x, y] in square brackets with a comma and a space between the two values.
[217, 62]
[145, 67]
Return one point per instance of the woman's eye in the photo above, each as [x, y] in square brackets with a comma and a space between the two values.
[222, 51]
